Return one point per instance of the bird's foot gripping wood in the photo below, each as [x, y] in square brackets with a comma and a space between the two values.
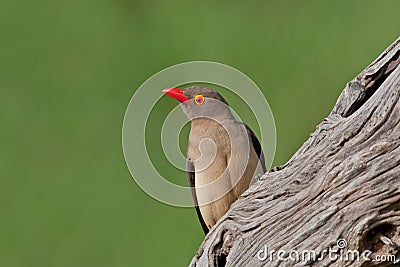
[258, 177]
[277, 168]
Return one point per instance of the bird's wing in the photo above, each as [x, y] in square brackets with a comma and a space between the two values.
[257, 146]
[191, 177]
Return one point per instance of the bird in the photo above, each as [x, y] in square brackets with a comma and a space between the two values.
[223, 155]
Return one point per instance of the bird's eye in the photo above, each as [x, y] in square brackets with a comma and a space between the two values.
[199, 99]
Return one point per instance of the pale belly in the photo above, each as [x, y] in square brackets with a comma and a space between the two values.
[216, 199]
[223, 168]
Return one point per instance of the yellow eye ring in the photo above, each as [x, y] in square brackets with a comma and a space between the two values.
[199, 99]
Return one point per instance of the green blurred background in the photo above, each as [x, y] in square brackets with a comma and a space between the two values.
[68, 70]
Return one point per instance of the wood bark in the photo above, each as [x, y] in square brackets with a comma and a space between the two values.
[342, 184]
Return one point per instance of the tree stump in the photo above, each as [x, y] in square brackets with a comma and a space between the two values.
[342, 185]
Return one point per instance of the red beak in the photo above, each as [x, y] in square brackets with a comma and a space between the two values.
[175, 93]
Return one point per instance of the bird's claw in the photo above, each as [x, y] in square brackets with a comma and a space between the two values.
[277, 168]
[258, 177]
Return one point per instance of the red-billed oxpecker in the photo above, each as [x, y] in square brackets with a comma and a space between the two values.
[223, 154]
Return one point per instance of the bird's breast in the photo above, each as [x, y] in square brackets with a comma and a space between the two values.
[224, 165]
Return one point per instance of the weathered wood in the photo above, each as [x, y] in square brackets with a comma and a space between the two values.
[343, 183]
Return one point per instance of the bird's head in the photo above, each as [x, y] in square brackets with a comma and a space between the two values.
[201, 101]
